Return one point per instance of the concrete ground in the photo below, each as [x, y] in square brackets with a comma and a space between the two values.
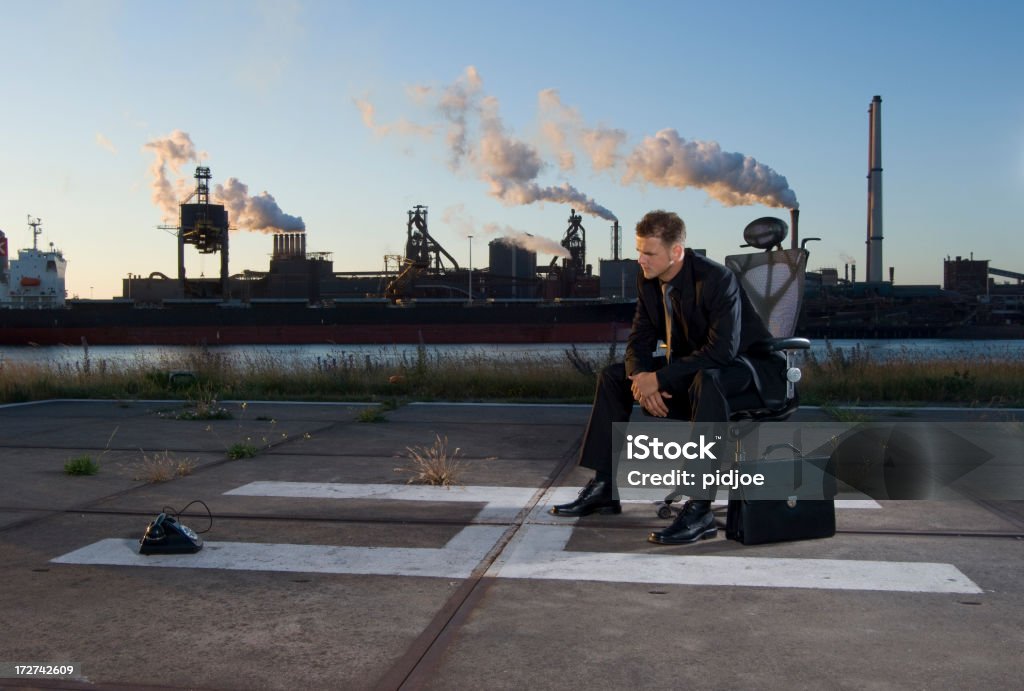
[324, 569]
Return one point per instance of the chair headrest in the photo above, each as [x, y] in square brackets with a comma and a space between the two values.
[765, 232]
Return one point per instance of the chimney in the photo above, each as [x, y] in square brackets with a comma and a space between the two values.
[846, 273]
[794, 217]
[853, 273]
[892, 275]
[874, 242]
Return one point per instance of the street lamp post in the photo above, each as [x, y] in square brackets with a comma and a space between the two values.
[471, 268]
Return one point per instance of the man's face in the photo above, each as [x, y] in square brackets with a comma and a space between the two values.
[658, 260]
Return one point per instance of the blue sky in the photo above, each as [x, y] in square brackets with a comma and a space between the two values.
[269, 91]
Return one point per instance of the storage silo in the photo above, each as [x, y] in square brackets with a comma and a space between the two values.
[513, 270]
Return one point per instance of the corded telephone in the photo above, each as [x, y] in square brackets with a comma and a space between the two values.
[165, 535]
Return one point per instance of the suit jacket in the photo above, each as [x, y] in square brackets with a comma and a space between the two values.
[715, 323]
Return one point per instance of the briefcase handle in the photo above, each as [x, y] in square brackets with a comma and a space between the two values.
[797, 453]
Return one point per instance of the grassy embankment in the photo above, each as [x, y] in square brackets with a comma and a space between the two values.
[841, 376]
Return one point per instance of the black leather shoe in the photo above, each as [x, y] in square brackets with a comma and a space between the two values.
[695, 522]
[595, 497]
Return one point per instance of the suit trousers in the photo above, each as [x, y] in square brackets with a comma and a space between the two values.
[712, 394]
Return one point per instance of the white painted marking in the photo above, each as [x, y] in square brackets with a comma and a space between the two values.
[538, 552]
[457, 559]
[500, 503]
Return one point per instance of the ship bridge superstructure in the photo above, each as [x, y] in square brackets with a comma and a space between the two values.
[36, 279]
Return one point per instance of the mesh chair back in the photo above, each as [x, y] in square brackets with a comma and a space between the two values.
[774, 282]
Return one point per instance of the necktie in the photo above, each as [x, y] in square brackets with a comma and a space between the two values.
[666, 292]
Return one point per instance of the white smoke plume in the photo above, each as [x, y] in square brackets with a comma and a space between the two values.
[527, 241]
[170, 153]
[466, 225]
[558, 125]
[259, 212]
[668, 160]
[510, 166]
[458, 100]
[602, 145]
[476, 135]
[564, 128]
[400, 126]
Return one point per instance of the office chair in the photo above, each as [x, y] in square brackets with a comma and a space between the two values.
[773, 280]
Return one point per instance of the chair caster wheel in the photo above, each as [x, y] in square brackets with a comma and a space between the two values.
[664, 511]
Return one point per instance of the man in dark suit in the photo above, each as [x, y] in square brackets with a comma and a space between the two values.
[703, 376]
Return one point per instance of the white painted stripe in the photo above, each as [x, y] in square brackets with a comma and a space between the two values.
[457, 559]
[538, 552]
[500, 503]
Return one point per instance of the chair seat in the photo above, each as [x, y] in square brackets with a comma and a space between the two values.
[767, 414]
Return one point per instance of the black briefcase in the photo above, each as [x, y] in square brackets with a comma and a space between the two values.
[792, 505]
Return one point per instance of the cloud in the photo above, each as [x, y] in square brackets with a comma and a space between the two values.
[105, 143]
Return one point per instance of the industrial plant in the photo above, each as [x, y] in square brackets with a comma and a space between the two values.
[426, 296]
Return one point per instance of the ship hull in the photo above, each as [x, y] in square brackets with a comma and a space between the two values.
[287, 323]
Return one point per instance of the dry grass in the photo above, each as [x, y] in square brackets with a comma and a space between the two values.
[162, 467]
[853, 375]
[849, 374]
[434, 465]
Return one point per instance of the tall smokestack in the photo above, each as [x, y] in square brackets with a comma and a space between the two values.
[874, 242]
[794, 222]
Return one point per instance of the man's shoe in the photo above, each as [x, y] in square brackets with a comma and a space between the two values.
[595, 497]
[695, 522]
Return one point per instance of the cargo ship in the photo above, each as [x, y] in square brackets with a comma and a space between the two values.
[422, 297]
